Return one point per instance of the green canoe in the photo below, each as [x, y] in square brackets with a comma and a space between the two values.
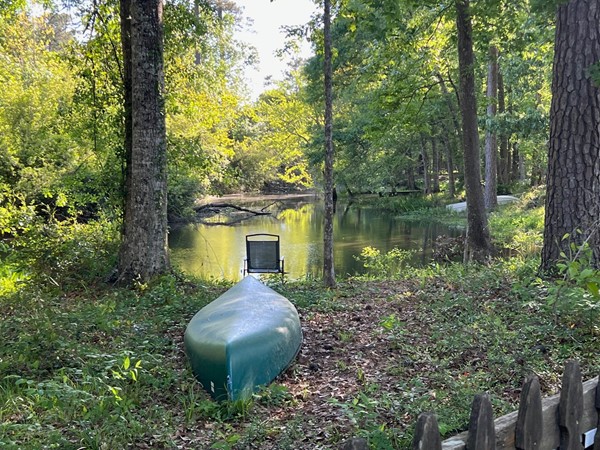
[242, 340]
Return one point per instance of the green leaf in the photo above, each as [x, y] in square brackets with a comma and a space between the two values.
[594, 289]
[586, 273]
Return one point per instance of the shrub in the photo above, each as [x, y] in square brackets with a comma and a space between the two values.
[386, 265]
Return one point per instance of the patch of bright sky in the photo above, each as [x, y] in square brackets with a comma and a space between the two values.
[266, 35]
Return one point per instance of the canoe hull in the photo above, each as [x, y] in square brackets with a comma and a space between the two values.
[242, 340]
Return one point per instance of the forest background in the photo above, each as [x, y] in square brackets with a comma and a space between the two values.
[397, 124]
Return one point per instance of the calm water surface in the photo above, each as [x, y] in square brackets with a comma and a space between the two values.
[218, 250]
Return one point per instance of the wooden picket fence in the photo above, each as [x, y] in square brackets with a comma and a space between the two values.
[567, 420]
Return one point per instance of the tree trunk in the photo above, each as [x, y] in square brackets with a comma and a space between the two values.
[516, 163]
[450, 104]
[125, 15]
[435, 176]
[143, 251]
[573, 179]
[425, 161]
[451, 139]
[504, 162]
[411, 183]
[328, 268]
[491, 141]
[478, 245]
[449, 165]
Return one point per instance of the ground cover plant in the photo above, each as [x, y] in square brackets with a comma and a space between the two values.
[105, 368]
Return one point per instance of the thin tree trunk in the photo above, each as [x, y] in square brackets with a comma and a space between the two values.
[504, 162]
[328, 267]
[425, 160]
[515, 168]
[521, 167]
[573, 181]
[491, 142]
[478, 245]
[435, 176]
[448, 97]
[144, 246]
[411, 183]
[451, 140]
[449, 165]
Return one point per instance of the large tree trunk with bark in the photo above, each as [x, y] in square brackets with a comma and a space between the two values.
[125, 15]
[478, 245]
[143, 251]
[328, 268]
[491, 141]
[573, 177]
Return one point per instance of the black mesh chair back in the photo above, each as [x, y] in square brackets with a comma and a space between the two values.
[263, 254]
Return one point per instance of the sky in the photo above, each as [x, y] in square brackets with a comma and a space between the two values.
[267, 37]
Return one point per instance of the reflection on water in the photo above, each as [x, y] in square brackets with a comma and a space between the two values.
[219, 250]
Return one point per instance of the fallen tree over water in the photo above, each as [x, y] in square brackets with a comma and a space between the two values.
[233, 213]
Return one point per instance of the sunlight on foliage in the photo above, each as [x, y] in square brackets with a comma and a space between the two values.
[384, 265]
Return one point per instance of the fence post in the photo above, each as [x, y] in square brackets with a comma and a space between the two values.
[482, 434]
[427, 433]
[528, 429]
[570, 408]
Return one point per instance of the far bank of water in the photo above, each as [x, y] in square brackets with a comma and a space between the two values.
[218, 251]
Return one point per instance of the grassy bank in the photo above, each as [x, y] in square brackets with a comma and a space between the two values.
[106, 369]
[88, 365]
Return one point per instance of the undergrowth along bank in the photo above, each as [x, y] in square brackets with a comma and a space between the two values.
[84, 363]
[105, 368]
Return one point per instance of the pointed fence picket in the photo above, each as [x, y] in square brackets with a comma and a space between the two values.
[566, 420]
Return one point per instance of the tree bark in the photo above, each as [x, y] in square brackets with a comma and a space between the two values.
[491, 141]
[143, 252]
[328, 267]
[504, 161]
[573, 177]
[425, 161]
[435, 176]
[516, 163]
[451, 139]
[125, 15]
[449, 165]
[478, 245]
[411, 182]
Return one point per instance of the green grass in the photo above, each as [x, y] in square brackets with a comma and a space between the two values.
[105, 369]
[86, 364]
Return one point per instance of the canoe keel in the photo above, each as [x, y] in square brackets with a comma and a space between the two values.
[242, 340]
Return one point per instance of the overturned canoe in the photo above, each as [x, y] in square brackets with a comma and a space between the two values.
[242, 340]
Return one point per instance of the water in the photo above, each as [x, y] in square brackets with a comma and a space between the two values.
[218, 250]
